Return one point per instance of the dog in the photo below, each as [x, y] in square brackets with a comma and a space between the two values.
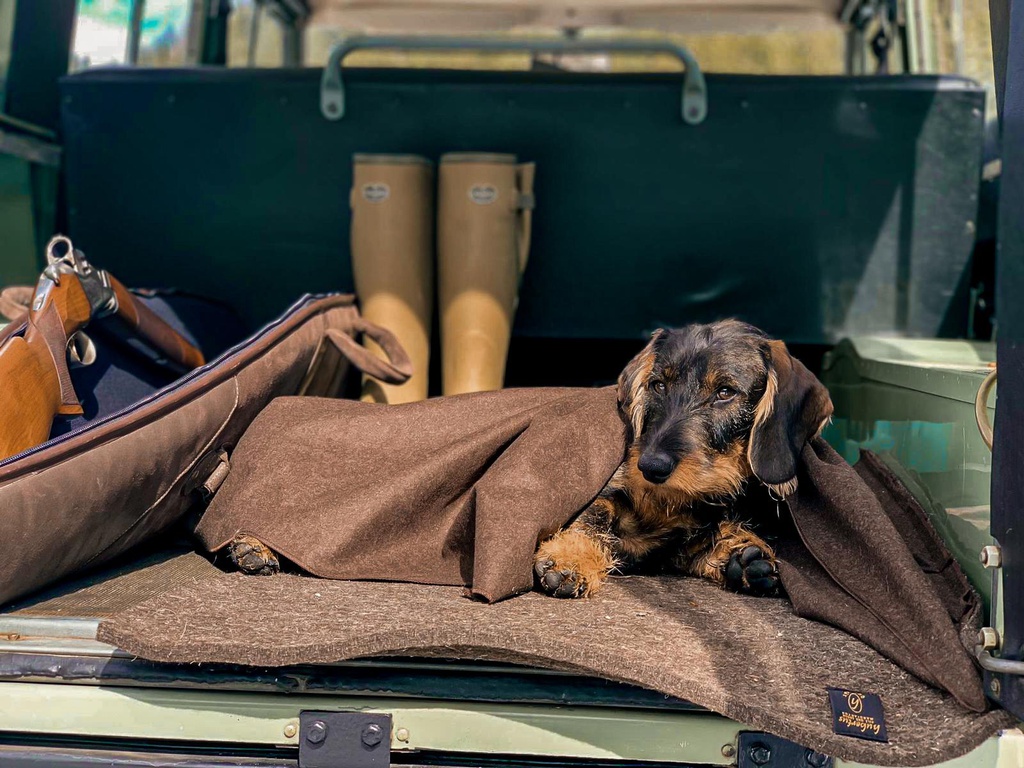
[708, 409]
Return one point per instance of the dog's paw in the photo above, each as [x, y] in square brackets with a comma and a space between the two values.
[559, 582]
[752, 571]
[250, 555]
[571, 564]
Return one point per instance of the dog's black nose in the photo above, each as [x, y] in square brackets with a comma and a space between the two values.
[656, 467]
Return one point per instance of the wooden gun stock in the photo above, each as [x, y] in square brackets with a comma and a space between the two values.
[35, 384]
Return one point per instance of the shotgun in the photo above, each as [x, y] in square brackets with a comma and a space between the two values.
[35, 383]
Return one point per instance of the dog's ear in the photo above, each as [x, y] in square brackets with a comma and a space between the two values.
[632, 388]
[794, 408]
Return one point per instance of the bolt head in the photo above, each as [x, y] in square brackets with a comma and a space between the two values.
[760, 754]
[988, 638]
[402, 734]
[991, 556]
[372, 735]
[290, 730]
[728, 750]
[816, 759]
[995, 687]
[316, 732]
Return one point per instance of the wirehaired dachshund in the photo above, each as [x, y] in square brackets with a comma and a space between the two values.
[708, 408]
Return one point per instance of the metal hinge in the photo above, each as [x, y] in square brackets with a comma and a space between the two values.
[762, 750]
[349, 739]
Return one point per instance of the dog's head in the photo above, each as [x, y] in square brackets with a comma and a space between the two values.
[708, 406]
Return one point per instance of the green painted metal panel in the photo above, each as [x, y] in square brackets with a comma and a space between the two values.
[813, 207]
[18, 257]
[912, 402]
[263, 719]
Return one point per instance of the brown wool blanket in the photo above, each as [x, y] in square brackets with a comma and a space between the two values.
[458, 491]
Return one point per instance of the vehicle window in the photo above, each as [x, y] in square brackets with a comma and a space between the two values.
[6, 31]
[255, 38]
[102, 33]
[813, 39]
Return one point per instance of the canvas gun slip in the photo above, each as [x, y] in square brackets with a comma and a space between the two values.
[35, 382]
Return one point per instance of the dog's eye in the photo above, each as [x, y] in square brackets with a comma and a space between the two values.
[658, 386]
[725, 394]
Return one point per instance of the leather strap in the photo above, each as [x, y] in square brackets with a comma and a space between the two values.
[395, 370]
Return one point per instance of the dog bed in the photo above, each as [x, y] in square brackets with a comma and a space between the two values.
[444, 493]
[750, 659]
[458, 491]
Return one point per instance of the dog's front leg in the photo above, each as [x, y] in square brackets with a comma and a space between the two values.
[734, 558]
[577, 560]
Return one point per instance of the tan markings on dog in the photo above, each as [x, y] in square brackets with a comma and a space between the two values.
[581, 553]
[656, 511]
[729, 538]
[695, 479]
[638, 392]
[763, 411]
[766, 405]
[669, 373]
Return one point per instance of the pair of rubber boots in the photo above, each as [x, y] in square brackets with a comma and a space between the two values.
[483, 217]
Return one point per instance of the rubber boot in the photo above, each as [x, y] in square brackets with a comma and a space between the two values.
[392, 202]
[484, 215]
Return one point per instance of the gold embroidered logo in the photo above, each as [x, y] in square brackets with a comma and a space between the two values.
[857, 714]
[855, 701]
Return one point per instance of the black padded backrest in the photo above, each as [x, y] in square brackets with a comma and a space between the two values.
[814, 207]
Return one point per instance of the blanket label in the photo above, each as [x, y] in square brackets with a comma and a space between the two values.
[857, 714]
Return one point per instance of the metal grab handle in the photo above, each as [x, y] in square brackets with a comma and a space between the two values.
[981, 409]
[694, 105]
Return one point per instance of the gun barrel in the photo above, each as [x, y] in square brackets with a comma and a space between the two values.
[153, 329]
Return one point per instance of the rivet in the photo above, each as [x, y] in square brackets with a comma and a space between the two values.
[372, 735]
[728, 750]
[991, 556]
[994, 686]
[290, 730]
[402, 734]
[969, 227]
[316, 732]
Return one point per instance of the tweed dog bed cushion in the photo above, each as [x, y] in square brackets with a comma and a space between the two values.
[458, 491]
[750, 659]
